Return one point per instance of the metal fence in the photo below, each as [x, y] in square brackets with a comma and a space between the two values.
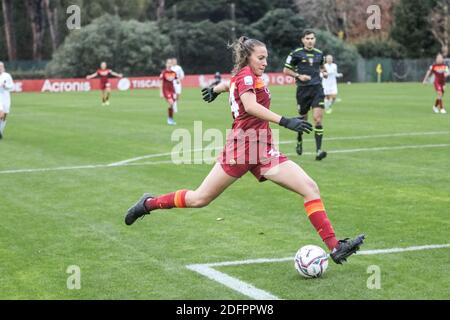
[26, 69]
[392, 70]
[26, 65]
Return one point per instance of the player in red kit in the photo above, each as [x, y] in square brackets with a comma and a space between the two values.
[249, 148]
[167, 89]
[104, 73]
[441, 72]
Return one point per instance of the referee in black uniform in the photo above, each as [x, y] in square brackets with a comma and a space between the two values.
[306, 65]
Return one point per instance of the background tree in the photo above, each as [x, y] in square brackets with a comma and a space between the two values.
[218, 10]
[131, 47]
[347, 16]
[376, 48]
[10, 31]
[280, 30]
[35, 11]
[440, 24]
[321, 14]
[160, 10]
[353, 14]
[51, 12]
[412, 28]
[345, 55]
[204, 44]
[199, 34]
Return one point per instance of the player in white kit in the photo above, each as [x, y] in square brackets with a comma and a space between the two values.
[330, 84]
[6, 86]
[177, 83]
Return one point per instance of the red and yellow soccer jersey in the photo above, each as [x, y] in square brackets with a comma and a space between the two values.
[439, 71]
[243, 82]
[168, 77]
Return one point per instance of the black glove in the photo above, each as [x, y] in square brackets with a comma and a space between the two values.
[209, 95]
[296, 124]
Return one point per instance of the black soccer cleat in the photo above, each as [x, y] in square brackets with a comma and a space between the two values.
[346, 248]
[321, 155]
[1, 135]
[138, 210]
[299, 148]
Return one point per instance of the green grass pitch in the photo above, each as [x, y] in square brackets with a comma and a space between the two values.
[387, 175]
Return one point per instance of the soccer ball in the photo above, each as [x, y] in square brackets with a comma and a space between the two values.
[311, 261]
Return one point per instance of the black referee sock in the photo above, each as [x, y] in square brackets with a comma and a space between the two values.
[300, 138]
[318, 134]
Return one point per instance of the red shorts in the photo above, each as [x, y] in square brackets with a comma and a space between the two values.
[105, 85]
[257, 157]
[439, 87]
[170, 97]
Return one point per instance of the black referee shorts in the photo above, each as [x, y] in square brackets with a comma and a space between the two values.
[310, 97]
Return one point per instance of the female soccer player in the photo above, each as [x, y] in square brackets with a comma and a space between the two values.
[6, 86]
[440, 71]
[177, 82]
[104, 73]
[250, 103]
[167, 89]
[329, 84]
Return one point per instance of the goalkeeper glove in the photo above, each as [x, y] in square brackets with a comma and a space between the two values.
[209, 95]
[296, 124]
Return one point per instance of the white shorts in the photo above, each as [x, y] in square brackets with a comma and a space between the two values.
[330, 90]
[4, 107]
[177, 87]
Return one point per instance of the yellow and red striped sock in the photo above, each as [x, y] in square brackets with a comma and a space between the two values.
[168, 201]
[319, 219]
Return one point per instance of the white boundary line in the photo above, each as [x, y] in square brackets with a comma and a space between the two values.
[403, 134]
[157, 155]
[378, 136]
[385, 148]
[233, 283]
[205, 161]
[251, 291]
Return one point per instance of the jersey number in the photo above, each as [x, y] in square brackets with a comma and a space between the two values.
[233, 103]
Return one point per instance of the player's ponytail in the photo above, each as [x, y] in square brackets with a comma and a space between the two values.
[242, 49]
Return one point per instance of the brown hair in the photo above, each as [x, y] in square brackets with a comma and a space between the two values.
[242, 49]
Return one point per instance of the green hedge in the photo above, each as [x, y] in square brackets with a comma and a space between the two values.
[379, 48]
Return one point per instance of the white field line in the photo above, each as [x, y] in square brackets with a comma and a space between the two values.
[419, 146]
[53, 169]
[211, 160]
[378, 136]
[156, 155]
[233, 283]
[251, 291]
[404, 134]
[129, 161]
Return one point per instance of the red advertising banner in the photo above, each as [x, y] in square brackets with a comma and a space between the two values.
[133, 83]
